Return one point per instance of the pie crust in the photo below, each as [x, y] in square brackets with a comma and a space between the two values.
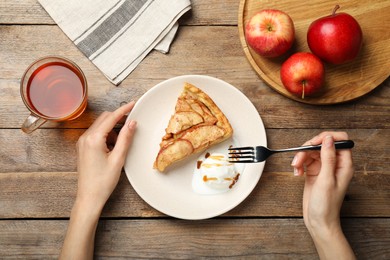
[197, 124]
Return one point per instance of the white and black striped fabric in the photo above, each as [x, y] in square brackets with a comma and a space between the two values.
[116, 35]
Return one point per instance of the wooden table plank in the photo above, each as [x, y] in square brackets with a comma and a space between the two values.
[177, 239]
[54, 150]
[203, 12]
[224, 60]
[371, 112]
[23, 12]
[51, 195]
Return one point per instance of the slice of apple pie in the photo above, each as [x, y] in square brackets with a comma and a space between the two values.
[196, 125]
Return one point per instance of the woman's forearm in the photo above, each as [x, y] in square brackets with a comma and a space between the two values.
[80, 237]
[332, 244]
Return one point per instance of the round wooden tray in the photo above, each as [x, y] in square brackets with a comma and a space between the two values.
[344, 82]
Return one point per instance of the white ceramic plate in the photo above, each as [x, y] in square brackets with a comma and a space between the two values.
[171, 192]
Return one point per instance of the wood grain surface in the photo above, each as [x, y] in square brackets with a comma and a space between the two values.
[344, 82]
[224, 60]
[250, 238]
[278, 194]
[38, 178]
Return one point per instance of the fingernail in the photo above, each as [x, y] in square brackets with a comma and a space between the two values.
[132, 124]
[296, 173]
[294, 161]
[328, 141]
[125, 103]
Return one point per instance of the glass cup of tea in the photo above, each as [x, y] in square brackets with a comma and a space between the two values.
[52, 88]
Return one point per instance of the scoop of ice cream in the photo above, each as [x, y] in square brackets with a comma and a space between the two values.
[217, 173]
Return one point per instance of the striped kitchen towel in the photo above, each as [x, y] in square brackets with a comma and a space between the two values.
[116, 35]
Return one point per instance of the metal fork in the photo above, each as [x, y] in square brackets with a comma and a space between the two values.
[256, 154]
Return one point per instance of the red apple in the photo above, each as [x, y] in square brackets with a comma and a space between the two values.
[270, 33]
[336, 38]
[302, 74]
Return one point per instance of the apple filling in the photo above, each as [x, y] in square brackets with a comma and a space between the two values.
[197, 124]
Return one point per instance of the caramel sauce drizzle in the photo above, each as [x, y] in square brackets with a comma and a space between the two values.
[234, 181]
[198, 164]
[209, 165]
[217, 157]
[206, 179]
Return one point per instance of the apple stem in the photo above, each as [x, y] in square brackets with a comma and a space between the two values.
[335, 9]
[303, 89]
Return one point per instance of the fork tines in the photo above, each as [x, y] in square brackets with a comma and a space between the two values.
[241, 154]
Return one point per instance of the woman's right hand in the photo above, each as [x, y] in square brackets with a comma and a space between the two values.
[328, 174]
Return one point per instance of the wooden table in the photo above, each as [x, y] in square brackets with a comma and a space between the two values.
[38, 171]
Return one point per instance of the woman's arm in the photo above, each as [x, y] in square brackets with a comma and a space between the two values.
[327, 176]
[80, 236]
[101, 156]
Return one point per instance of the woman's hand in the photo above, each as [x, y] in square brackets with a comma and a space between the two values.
[328, 174]
[101, 156]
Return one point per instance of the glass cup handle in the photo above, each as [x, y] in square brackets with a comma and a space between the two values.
[31, 123]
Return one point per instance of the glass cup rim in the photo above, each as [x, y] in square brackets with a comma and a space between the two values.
[61, 59]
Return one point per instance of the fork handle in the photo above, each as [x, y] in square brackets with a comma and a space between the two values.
[344, 144]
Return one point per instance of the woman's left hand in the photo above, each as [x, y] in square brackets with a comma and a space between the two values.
[101, 156]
